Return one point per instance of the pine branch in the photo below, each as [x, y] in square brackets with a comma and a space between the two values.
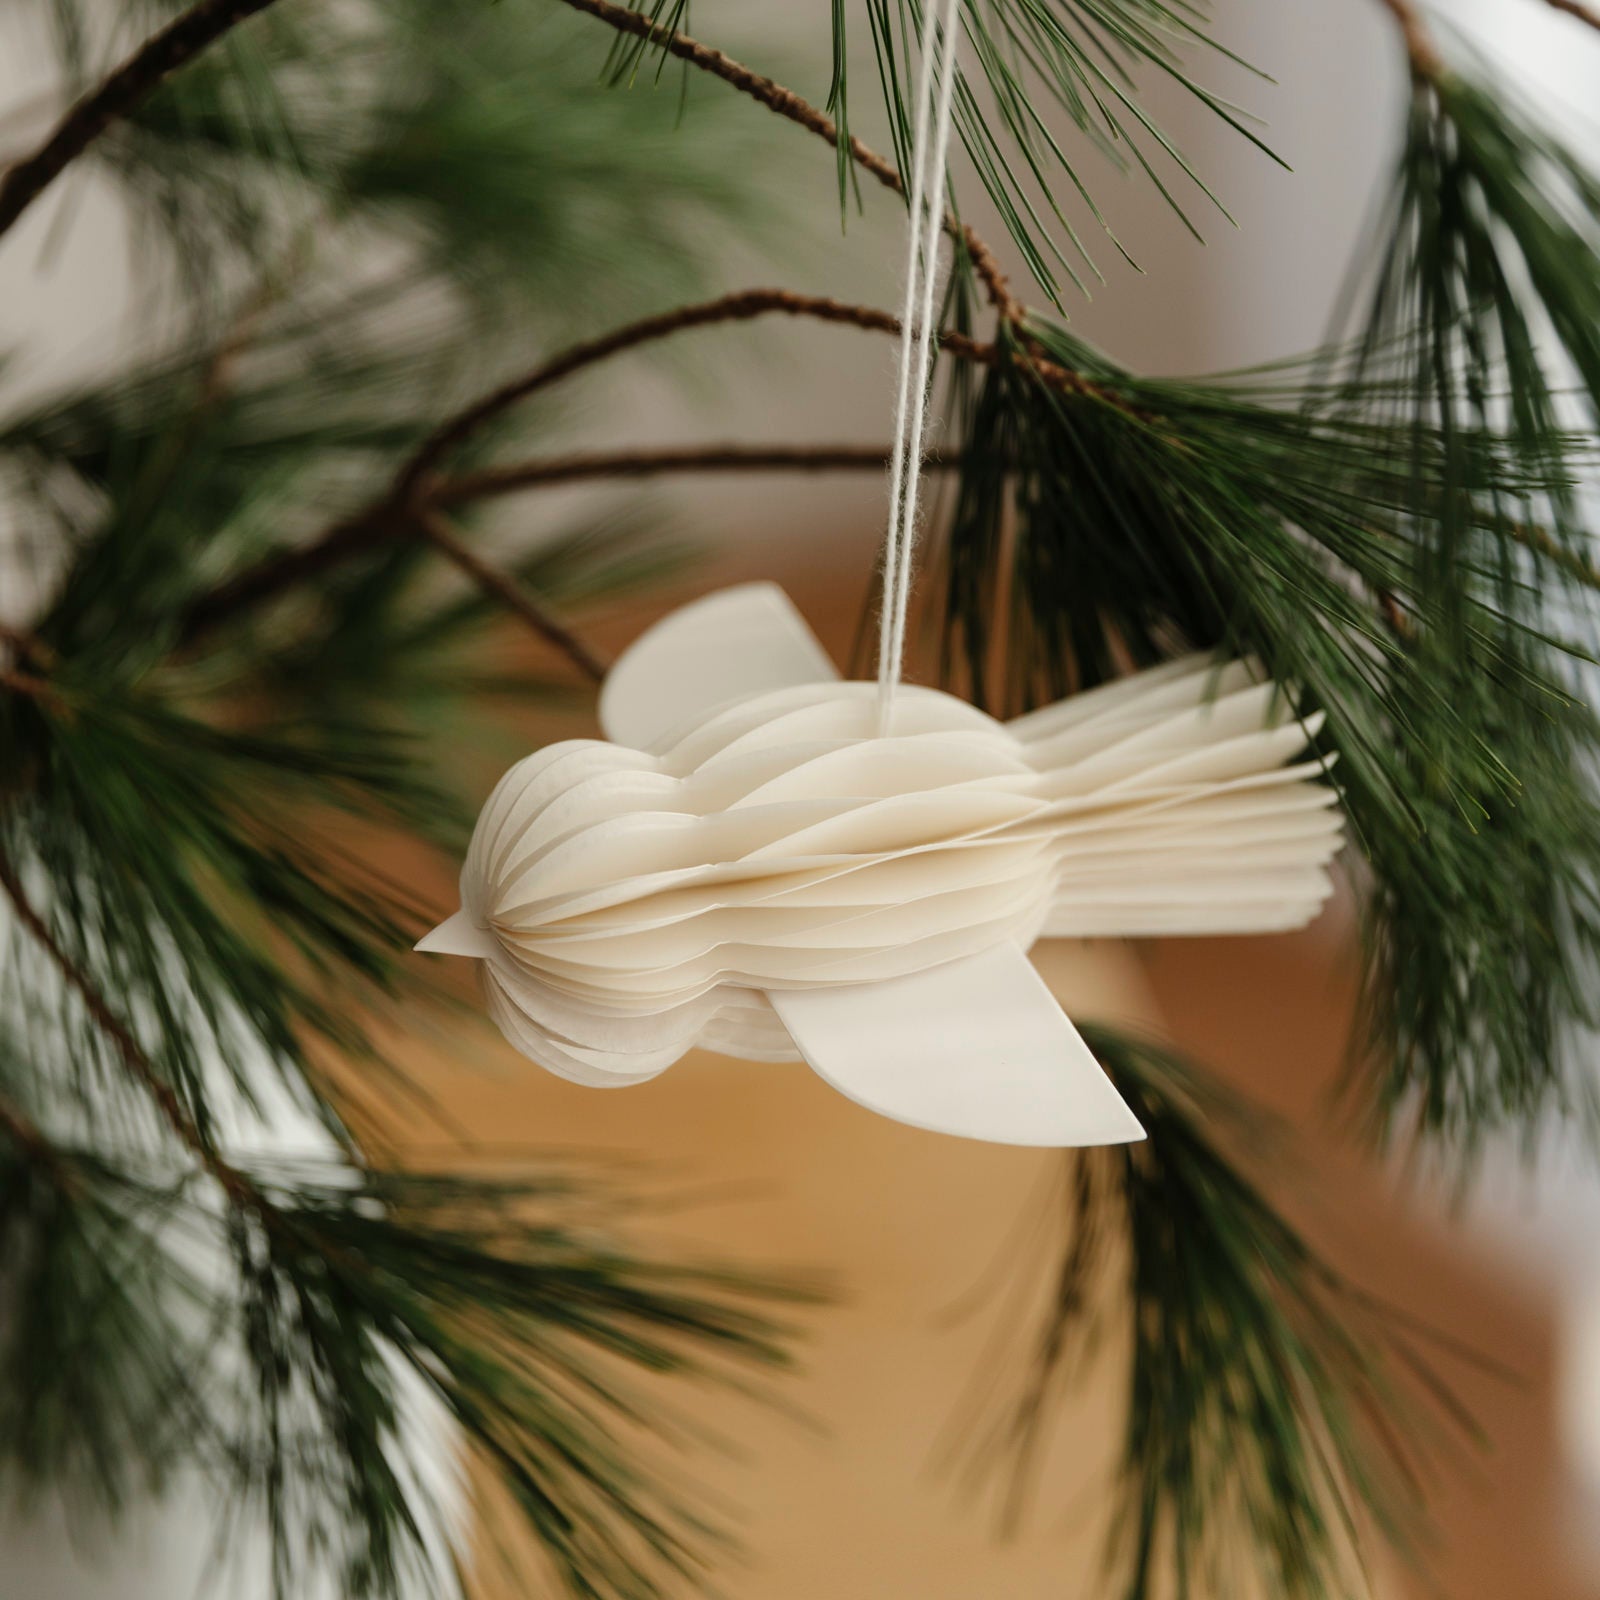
[1264, 515]
[1266, 1418]
[144, 71]
[741, 306]
[786, 103]
[491, 482]
[503, 587]
[515, 1327]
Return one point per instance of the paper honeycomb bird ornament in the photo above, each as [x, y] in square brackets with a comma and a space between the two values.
[752, 864]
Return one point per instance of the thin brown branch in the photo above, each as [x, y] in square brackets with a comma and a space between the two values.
[388, 518]
[26, 684]
[1427, 65]
[786, 103]
[1576, 8]
[140, 1068]
[394, 515]
[501, 586]
[1573, 562]
[178, 43]
[277, 574]
[742, 306]
[582, 465]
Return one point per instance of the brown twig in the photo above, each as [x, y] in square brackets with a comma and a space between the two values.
[179, 42]
[1427, 65]
[491, 482]
[394, 515]
[237, 1186]
[503, 587]
[1576, 8]
[744, 305]
[786, 103]
[276, 574]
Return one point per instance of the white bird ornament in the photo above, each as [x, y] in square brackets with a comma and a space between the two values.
[750, 865]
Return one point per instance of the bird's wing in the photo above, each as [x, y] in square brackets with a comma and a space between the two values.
[732, 644]
[977, 1047]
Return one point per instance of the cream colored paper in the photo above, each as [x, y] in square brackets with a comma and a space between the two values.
[976, 1047]
[631, 903]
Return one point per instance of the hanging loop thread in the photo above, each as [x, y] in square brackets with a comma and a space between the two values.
[935, 97]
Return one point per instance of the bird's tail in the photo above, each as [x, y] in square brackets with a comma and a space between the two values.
[1188, 800]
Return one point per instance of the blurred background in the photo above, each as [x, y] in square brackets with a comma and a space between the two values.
[856, 1486]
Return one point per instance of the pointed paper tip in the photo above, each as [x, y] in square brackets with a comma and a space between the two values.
[458, 936]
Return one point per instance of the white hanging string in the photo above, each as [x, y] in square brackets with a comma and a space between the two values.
[936, 76]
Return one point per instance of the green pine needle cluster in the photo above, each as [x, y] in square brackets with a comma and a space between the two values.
[1266, 1427]
[1284, 516]
[465, 146]
[1033, 63]
[353, 221]
[265, 1347]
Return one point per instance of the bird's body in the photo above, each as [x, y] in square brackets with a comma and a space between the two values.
[636, 903]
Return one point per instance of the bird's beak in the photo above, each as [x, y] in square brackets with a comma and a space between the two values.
[458, 936]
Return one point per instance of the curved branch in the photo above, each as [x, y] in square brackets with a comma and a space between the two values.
[155, 60]
[275, 574]
[491, 482]
[394, 515]
[503, 587]
[786, 103]
[743, 306]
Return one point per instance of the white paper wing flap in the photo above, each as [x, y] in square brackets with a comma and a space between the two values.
[977, 1048]
[733, 643]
